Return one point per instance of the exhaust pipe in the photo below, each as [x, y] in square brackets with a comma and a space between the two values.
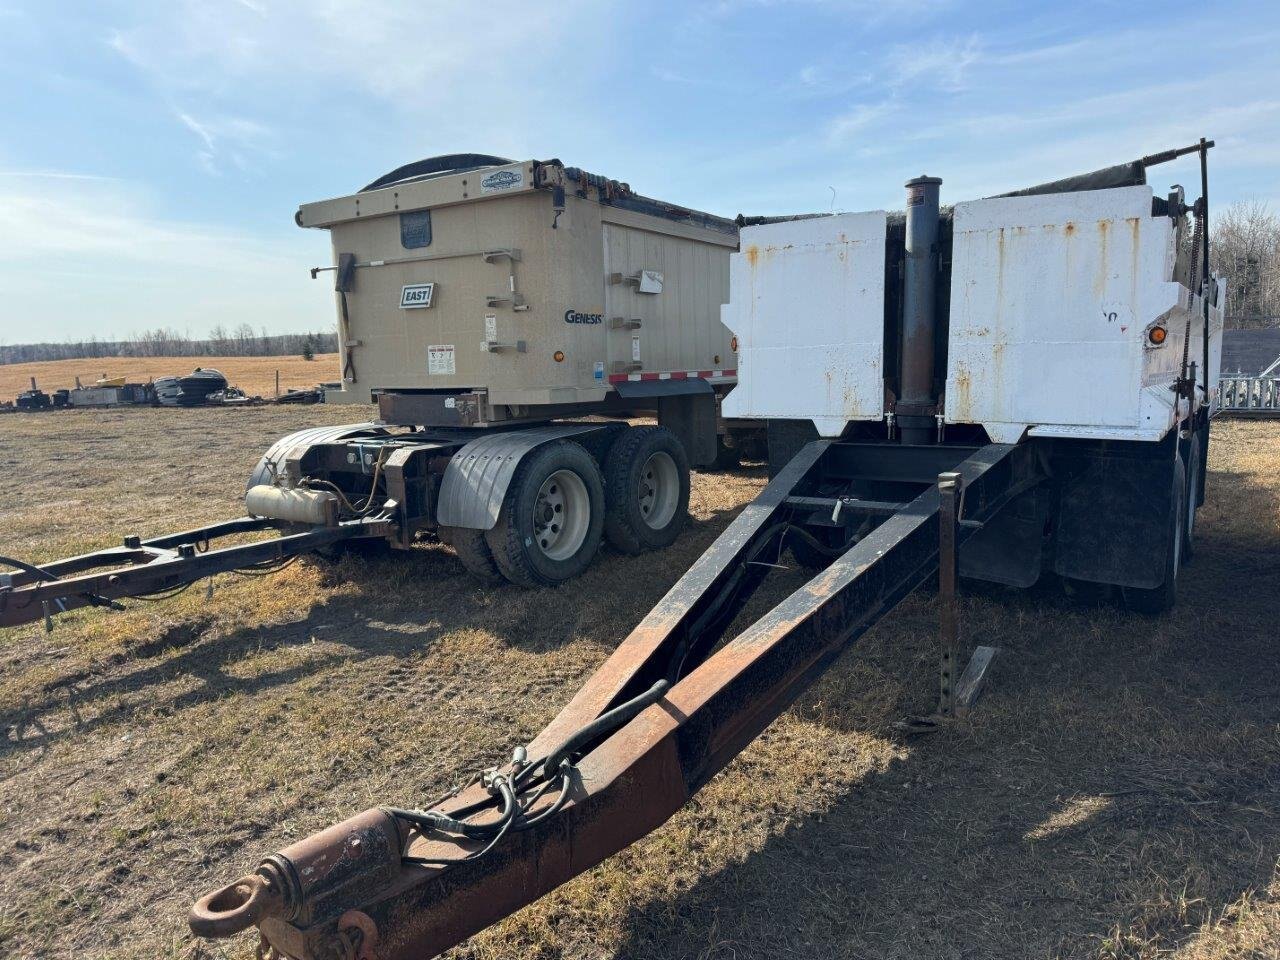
[917, 401]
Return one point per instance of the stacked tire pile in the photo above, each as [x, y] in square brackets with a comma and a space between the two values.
[193, 390]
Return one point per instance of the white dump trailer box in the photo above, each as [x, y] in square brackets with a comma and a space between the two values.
[1055, 301]
[1075, 319]
[497, 285]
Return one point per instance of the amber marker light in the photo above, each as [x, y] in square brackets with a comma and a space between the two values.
[558, 356]
[1157, 334]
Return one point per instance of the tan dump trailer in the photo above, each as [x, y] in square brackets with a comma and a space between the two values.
[482, 302]
[488, 307]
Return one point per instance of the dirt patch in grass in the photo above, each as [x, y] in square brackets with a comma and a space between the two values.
[253, 375]
[1117, 794]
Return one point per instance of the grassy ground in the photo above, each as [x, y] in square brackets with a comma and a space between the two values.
[253, 375]
[1117, 793]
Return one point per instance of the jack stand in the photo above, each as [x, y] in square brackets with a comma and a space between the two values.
[948, 577]
[955, 696]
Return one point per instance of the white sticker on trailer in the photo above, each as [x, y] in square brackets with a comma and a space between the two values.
[491, 327]
[415, 296]
[508, 179]
[440, 359]
[635, 349]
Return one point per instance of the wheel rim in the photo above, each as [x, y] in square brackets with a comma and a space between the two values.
[658, 492]
[561, 515]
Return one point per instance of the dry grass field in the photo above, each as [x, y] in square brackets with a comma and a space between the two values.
[253, 375]
[1116, 794]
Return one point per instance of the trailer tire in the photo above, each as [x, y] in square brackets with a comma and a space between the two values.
[473, 550]
[786, 438]
[646, 490]
[548, 530]
[1195, 465]
[728, 455]
[1153, 601]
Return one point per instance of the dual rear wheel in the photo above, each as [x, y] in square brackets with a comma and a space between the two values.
[561, 504]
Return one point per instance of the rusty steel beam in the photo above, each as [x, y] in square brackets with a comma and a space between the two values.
[949, 489]
[158, 565]
[377, 887]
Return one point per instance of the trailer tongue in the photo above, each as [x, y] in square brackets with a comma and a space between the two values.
[659, 719]
[162, 566]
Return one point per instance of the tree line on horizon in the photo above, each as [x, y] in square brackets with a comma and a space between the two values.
[242, 341]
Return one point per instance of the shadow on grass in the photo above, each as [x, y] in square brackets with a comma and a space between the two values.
[398, 606]
[1116, 788]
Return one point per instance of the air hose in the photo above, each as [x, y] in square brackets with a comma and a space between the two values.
[556, 767]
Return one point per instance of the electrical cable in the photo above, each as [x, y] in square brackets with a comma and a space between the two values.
[30, 568]
[556, 767]
[373, 489]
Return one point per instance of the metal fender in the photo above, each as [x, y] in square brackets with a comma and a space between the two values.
[477, 477]
[273, 460]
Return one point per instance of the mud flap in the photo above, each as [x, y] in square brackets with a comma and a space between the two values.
[1010, 548]
[476, 479]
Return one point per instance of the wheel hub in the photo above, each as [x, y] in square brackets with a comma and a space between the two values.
[561, 515]
[658, 492]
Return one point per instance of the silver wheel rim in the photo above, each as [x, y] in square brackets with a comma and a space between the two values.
[561, 515]
[659, 490]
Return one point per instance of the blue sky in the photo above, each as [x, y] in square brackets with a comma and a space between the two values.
[152, 153]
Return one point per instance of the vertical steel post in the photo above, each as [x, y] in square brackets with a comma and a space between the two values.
[948, 577]
[1204, 264]
[916, 397]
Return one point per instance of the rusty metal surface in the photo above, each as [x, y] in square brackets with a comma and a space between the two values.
[949, 491]
[630, 782]
[162, 564]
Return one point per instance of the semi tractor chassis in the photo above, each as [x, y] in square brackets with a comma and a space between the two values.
[529, 505]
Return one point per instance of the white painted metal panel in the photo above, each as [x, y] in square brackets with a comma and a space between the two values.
[806, 301]
[1051, 300]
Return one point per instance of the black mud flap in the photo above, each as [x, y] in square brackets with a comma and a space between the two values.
[477, 477]
[1113, 518]
[1010, 548]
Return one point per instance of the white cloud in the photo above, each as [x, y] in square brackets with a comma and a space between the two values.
[938, 62]
[227, 140]
[406, 51]
[855, 121]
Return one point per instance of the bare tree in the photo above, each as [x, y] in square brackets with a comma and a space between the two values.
[169, 343]
[1245, 248]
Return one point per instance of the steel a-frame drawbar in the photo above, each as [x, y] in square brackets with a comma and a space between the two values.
[667, 711]
[163, 565]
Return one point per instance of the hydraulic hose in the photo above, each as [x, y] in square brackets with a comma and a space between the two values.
[617, 717]
[28, 568]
